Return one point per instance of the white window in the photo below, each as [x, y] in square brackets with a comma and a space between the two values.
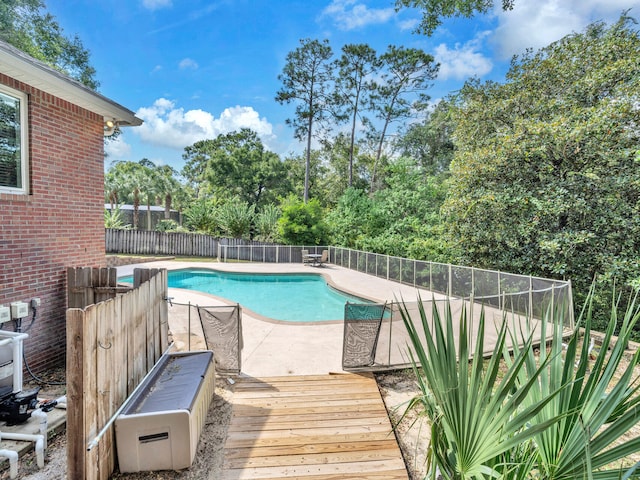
[13, 141]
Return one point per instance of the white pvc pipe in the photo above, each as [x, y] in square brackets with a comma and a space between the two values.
[42, 423]
[61, 402]
[25, 437]
[17, 363]
[13, 461]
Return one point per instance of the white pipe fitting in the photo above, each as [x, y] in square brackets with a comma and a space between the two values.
[42, 423]
[61, 402]
[25, 437]
[13, 462]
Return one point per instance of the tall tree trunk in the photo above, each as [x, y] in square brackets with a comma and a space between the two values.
[353, 137]
[378, 155]
[148, 215]
[387, 120]
[307, 167]
[167, 206]
[136, 207]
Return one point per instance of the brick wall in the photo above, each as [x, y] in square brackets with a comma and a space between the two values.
[58, 224]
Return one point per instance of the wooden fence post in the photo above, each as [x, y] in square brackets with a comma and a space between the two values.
[75, 388]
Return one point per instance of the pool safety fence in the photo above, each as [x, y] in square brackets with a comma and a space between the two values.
[376, 337]
[214, 327]
[267, 253]
[362, 325]
[522, 294]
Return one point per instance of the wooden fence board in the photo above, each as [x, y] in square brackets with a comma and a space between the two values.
[142, 242]
[106, 364]
[91, 389]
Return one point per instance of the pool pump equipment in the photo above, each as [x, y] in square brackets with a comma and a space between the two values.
[16, 408]
[16, 405]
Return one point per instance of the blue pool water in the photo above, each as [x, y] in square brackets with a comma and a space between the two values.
[289, 297]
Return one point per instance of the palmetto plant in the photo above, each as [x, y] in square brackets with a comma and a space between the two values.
[598, 406]
[114, 218]
[520, 414]
[475, 416]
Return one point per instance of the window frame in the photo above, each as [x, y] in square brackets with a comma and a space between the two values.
[23, 98]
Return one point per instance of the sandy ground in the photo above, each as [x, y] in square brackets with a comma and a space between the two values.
[397, 388]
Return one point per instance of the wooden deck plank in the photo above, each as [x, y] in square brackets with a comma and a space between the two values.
[283, 422]
[302, 471]
[243, 411]
[321, 427]
[367, 455]
[231, 453]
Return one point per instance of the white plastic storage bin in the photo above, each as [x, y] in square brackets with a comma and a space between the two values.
[160, 427]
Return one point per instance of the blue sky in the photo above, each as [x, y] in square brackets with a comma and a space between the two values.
[194, 69]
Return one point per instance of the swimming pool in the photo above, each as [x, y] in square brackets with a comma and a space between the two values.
[280, 296]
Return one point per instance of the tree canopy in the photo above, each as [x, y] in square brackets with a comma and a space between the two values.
[306, 80]
[545, 176]
[236, 164]
[25, 25]
[433, 11]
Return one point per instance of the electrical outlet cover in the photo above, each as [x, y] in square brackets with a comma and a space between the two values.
[19, 310]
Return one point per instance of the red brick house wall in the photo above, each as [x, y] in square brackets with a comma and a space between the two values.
[58, 224]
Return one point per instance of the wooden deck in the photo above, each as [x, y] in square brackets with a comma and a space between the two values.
[311, 427]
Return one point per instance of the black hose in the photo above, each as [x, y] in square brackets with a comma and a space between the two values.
[36, 378]
[18, 323]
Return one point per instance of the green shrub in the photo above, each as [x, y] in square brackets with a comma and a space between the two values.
[302, 223]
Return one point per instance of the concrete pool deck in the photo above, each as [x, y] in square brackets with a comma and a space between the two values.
[278, 348]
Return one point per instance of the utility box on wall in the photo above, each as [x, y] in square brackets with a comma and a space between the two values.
[160, 427]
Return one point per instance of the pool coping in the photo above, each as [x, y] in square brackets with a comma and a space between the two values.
[264, 318]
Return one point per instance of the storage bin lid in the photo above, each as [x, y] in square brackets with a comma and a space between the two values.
[175, 384]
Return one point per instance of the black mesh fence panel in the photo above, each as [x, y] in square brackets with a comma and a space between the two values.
[222, 329]
[362, 324]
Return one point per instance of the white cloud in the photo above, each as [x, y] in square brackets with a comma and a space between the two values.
[463, 61]
[117, 149]
[168, 126]
[188, 63]
[349, 15]
[537, 24]
[155, 4]
[410, 24]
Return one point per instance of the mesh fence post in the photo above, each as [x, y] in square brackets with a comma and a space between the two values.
[189, 326]
[531, 297]
[500, 306]
[387, 267]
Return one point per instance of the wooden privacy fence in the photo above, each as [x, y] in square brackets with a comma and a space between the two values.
[140, 242]
[110, 347]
